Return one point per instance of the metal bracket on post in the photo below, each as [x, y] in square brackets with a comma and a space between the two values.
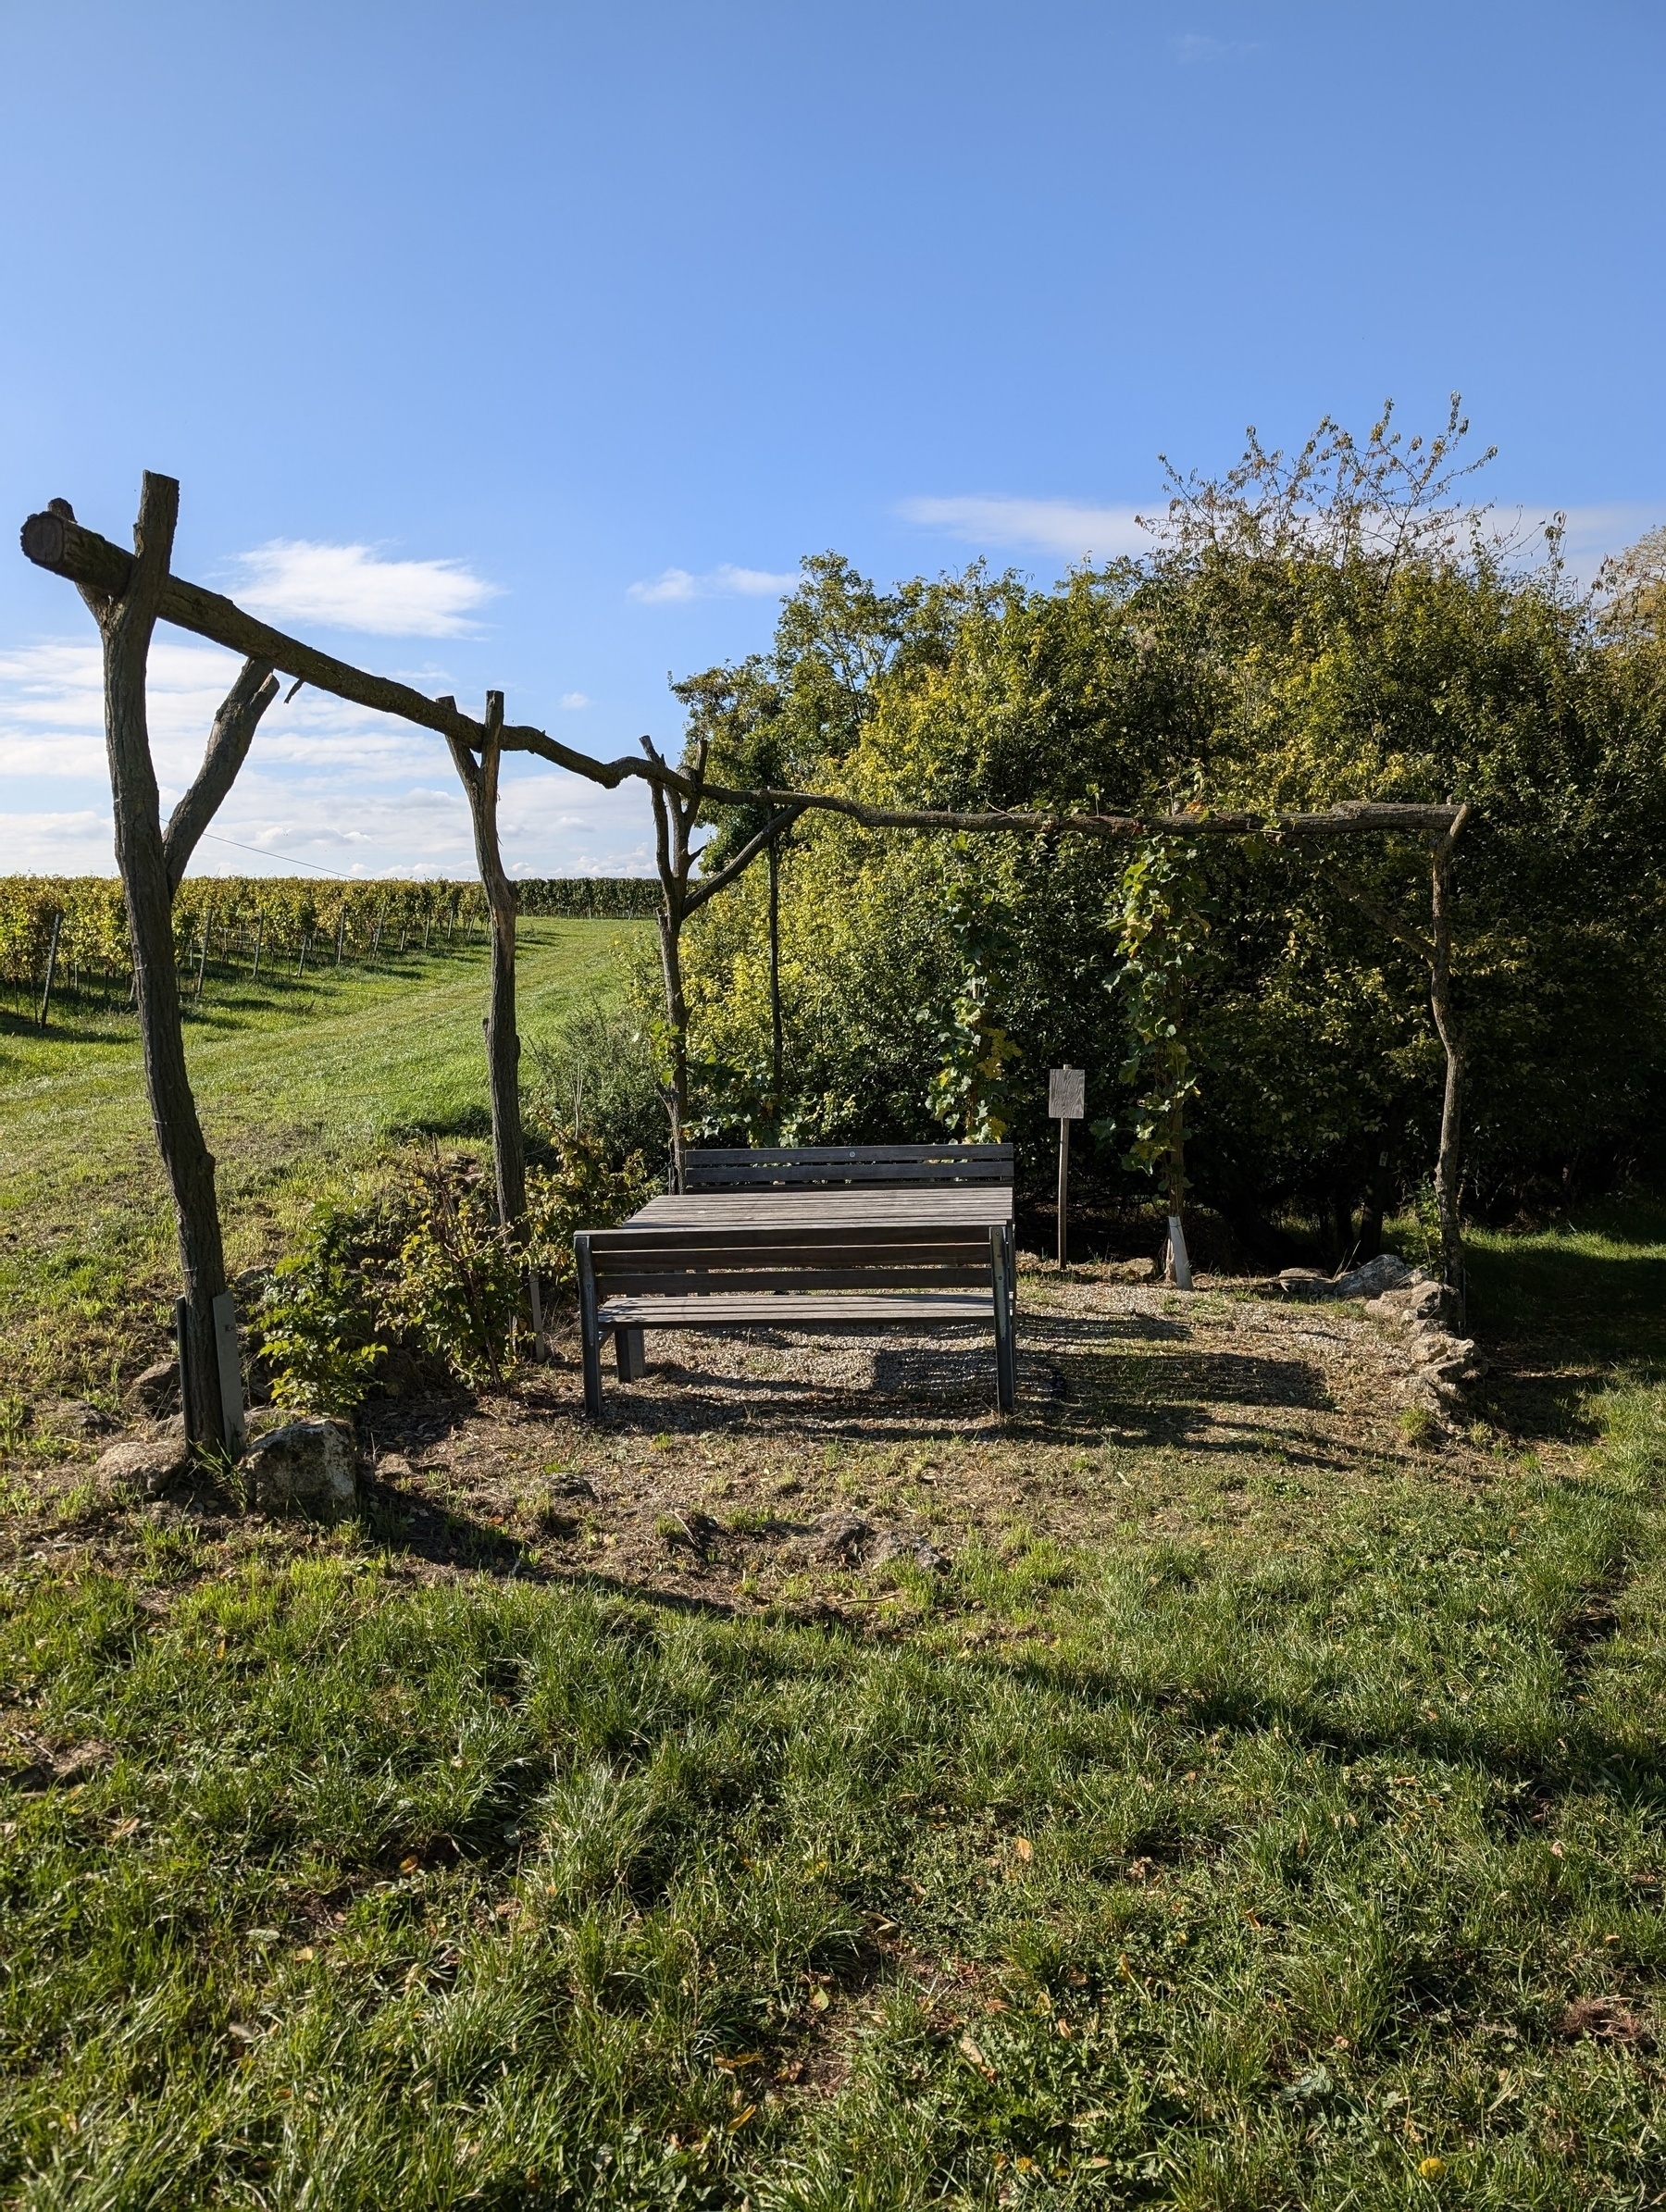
[589, 1326]
[1000, 1272]
[229, 1360]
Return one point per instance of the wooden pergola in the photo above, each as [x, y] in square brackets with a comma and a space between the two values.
[129, 593]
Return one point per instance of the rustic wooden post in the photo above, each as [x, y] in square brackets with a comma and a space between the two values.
[57, 924]
[480, 780]
[152, 862]
[674, 819]
[1449, 1164]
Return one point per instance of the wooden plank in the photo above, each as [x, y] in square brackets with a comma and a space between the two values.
[877, 1238]
[903, 1173]
[740, 1155]
[787, 1282]
[741, 1310]
[957, 1205]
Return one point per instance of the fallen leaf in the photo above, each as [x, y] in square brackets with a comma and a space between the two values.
[1025, 1848]
[969, 2049]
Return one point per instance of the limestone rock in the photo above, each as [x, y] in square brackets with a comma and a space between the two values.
[156, 1391]
[897, 1544]
[304, 1467]
[1387, 1271]
[82, 1418]
[843, 1537]
[141, 1466]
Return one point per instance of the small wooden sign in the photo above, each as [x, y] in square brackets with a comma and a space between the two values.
[1066, 1094]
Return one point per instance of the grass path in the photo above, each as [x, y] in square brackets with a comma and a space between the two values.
[294, 1084]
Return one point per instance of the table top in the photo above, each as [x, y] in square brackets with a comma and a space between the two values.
[860, 1206]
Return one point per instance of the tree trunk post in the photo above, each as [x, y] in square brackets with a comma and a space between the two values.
[151, 864]
[479, 781]
[1449, 1164]
[52, 952]
[673, 819]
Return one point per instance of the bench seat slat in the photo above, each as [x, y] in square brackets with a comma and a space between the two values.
[739, 1309]
[698, 1283]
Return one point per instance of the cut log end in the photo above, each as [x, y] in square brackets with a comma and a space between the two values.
[43, 536]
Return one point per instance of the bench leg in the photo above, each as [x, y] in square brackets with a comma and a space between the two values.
[1002, 1264]
[629, 1354]
[588, 1330]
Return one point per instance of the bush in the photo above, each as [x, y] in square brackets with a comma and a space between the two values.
[596, 1081]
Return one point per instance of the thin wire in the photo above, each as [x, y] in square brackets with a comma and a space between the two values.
[261, 852]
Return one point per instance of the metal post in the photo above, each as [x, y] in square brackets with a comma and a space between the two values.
[1063, 1190]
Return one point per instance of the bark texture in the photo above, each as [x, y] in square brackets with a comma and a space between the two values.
[480, 779]
[150, 864]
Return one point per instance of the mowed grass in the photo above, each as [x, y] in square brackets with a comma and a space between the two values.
[1154, 1874]
[297, 1084]
[1312, 1862]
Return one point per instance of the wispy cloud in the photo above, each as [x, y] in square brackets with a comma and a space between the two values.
[723, 582]
[573, 700]
[1193, 47]
[351, 587]
[1064, 527]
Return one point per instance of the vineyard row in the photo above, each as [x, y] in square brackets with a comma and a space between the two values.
[77, 925]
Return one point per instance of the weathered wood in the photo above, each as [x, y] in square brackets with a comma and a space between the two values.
[52, 950]
[627, 1316]
[53, 539]
[126, 607]
[850, 1166]
[480, 780]
[229, 742]
[831, 1274]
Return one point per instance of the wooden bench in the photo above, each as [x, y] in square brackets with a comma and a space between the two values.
[868, 1278]
[827, 1167]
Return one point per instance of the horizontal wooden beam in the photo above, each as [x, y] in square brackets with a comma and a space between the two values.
[53, 539]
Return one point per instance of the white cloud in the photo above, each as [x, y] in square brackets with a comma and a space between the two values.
[1193, 46]
[721, 582]
[350, 587]
[325, 782]
[1064, 527]
[1593, 532]
[573, 700]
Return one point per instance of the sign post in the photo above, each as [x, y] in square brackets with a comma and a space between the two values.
[1066, 1096]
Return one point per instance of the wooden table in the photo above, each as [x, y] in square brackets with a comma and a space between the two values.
[723, 1219]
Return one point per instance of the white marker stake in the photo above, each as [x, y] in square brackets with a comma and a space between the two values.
[1066, 1093]
[1177, 1259]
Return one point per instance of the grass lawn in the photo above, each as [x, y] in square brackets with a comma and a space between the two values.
[296, 1082]
[1261, 1812]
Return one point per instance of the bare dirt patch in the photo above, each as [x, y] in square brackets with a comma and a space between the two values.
[769, 1468]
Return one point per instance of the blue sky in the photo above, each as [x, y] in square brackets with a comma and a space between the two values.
[532, 345]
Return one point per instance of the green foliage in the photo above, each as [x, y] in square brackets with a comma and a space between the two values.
[582, 1189]
[968, 1089]
[455, 1287]
[596, 1079]
[1162, 934]
[1305, 632]
[316, 1322]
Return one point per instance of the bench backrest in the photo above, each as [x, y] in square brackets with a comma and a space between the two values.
[646, 1261]
[821, 1167]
